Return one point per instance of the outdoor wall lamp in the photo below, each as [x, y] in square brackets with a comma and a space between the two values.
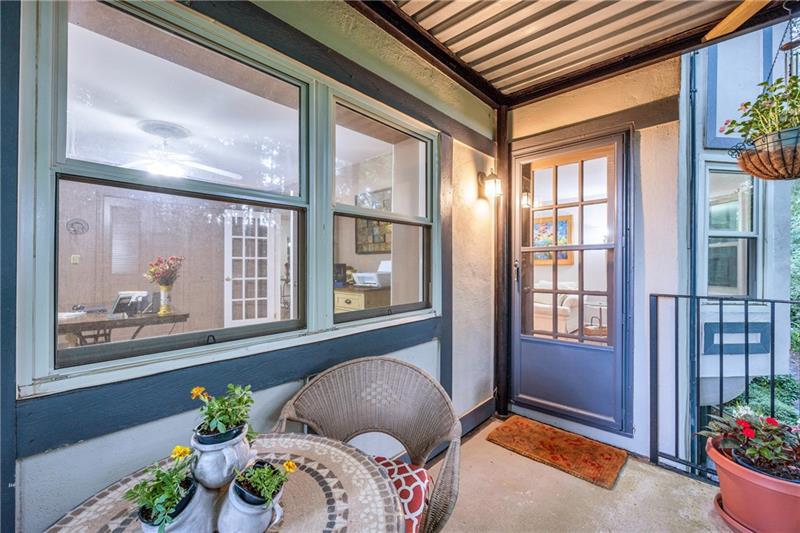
[489, 186]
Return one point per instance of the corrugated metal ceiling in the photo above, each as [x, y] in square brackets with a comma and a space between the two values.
[519, 44]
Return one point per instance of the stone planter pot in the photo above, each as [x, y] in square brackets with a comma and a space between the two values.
[243, 512]
[220, 456]
[194, 513]
[751, 500]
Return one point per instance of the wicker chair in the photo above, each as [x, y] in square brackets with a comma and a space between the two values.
[380, 394]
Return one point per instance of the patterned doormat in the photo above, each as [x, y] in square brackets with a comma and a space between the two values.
[587, 459]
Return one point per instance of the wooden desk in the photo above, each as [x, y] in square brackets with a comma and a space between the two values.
[354, 298]
[96, 328]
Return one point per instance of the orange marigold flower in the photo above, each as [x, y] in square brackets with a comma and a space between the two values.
[290, 467]
[197, 392]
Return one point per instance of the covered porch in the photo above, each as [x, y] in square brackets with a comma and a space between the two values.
[520, 209]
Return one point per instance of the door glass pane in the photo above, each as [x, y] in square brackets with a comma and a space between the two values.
[595, 270]
[377, 166]
[542, 187]
[567, 183]
[142, 98]
[596, 229]
[595, 318]
[567, 312]
[595, 179]
[568, 228]
[543, 229]
[538, 315]
[525, 205]
[730, 201]
[377, 264]
[729, 261]
[98, 304]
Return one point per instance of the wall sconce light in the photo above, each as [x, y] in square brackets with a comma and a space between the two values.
[489, 186]
[525, 201]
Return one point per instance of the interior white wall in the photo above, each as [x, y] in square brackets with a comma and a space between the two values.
[656, 234]
[51, 483]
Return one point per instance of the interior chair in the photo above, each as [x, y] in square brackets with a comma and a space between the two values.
[384, 395]
[566, 308]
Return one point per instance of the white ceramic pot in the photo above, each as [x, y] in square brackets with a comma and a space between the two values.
[218, 463]
[238, 516]
[196, 517]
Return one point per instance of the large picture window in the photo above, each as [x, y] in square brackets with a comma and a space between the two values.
[238, 266]
[177, 215]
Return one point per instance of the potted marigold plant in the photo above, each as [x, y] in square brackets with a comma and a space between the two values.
[170, 500]
[252, 502]
[770, 131]
[758, 465]
[221, 439]
[164, 272]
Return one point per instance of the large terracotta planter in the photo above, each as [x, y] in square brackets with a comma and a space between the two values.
[754, 501]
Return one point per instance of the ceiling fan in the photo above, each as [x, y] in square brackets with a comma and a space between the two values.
[162, 161]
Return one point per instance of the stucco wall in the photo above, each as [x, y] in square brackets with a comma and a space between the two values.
[638, 87]
[343, 29]
[473, 281]
[657, 234]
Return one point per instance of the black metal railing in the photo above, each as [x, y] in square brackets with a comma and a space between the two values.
[712, 355]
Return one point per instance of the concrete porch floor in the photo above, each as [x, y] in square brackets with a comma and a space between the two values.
[503, 491]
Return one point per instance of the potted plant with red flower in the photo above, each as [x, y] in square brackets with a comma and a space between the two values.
[758, 465]
[164, 272]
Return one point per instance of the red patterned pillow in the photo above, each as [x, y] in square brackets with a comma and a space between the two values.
[412, 484]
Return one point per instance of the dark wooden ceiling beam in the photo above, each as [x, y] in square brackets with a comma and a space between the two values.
[405, 29]
[664, 49]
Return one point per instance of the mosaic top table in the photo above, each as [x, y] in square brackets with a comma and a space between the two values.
[336, 488]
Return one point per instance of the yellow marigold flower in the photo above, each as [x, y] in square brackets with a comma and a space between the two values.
[290, 467]
[179, 452]
[197, 392]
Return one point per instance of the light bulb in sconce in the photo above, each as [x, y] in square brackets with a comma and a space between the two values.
[489, 186]
[525, 200]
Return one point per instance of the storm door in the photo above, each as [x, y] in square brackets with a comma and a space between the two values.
[568, 340]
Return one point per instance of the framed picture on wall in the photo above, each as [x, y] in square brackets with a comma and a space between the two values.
[374, 236]
[543, 236]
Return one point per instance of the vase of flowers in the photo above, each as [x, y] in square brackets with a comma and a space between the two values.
[758, 465]
[770, 131]
[164, 272]
[252, 502]
[170, 500]
[221, 439]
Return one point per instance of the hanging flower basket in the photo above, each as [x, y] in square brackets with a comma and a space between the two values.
[770, 129]
[775, 156]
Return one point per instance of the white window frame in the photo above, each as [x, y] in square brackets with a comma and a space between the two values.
[41, 156]
[721, 163]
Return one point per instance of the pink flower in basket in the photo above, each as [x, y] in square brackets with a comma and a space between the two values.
[163, 271]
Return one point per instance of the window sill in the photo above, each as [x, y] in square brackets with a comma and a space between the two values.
[146, 365]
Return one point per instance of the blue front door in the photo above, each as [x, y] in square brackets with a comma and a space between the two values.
[569, 284]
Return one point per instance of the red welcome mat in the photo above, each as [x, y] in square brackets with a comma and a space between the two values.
[587, 459]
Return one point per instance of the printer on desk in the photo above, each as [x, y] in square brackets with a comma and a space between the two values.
[381, 278]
